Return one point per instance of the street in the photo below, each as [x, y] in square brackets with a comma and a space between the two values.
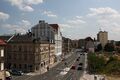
[61, 71]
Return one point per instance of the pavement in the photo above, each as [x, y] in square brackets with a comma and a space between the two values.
[45, 69]
[92, 77]
[87, 76]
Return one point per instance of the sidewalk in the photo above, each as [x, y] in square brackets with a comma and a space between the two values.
[92, 77]
[45, 69]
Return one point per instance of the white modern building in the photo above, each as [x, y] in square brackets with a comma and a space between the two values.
[58, 41]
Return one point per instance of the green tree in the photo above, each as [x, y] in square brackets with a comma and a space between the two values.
[113, 68]
[118, 43]
[99, 47]
[109, 47]
[95, 63]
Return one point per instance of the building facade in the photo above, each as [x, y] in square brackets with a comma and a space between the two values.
[58, 41]
[89, 45]
[2, 59]
[29, 55]
[66, 46]
[102, 37]
[44, 31]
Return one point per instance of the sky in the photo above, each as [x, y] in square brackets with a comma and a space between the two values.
[77, 19]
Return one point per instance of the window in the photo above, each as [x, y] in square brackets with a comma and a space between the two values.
[14, 66]
[25, 66]
[2, 53]
[9, 56]
[2, 66]
[20, 66]
[20, 48]
[36, 49]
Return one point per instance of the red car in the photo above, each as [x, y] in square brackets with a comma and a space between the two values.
[73, 67]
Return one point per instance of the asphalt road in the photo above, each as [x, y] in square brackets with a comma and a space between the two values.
[54, 73]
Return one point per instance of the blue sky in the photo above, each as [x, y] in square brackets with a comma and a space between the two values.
[77, 18]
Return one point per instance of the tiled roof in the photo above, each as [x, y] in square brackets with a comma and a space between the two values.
[54, 26]
[26, 38]
[2, 42]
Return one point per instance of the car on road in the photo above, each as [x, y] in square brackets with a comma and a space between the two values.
[79, 68]
[80, 64]
[16, 72]
[81, 54]
[77, 59]
[73, 67]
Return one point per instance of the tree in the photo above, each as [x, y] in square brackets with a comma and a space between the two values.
[109, 47]
[95, 63]
[118, 43]
[99, 47]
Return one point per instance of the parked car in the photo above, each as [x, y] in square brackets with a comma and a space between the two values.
[16, 72]
[79, 68]
[73, 67]
[80, 64]
[77, 59]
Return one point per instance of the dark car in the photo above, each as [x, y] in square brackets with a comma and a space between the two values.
[77, 59]
[73, 67]
[79, 68]
[16, 72]
[80, 64]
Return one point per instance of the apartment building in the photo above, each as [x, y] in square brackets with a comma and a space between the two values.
[89, 45]
[27, 54]
[2, 59]
[58, 41]
[102, 37]
[44, 31]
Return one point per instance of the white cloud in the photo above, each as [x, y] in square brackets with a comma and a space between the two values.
[104, 12]
[22, 27]
[34, 1]
[25, 5]
[79, 17]
[76, 21]
[27, 8]
[108, 18]
[25, 23]
[49, 14]
[4, 16]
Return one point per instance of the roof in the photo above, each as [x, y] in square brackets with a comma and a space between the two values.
[25, 38]
[88, 39]
[54, 26]
[2, 42]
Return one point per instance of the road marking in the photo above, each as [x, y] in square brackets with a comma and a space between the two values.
[29, 77]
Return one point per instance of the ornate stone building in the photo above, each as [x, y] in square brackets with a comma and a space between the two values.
[29, 55]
